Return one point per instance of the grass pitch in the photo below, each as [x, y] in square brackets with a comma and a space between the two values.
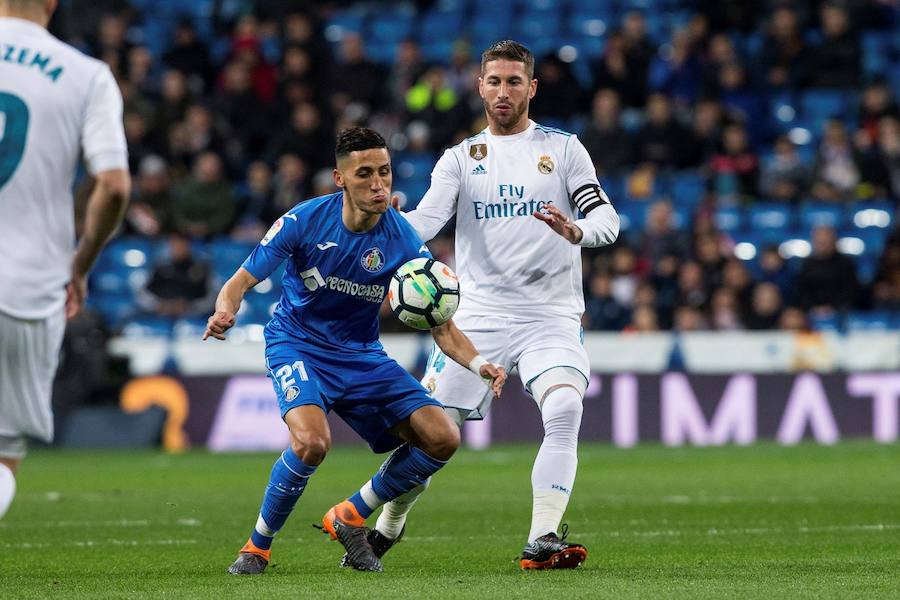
[755, 522]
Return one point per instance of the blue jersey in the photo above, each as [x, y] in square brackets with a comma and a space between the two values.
[336, 279]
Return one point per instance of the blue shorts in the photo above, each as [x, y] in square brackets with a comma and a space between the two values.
[369, 390]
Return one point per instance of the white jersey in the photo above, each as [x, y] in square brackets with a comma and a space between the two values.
[55, 102]
[509, 262]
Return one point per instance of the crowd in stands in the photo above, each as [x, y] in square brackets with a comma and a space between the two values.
[752, 148]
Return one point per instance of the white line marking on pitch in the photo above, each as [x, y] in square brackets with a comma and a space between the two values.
[96, 544]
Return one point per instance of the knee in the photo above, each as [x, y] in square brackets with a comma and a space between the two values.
[563, 404]
[310, 447]
[443, 443]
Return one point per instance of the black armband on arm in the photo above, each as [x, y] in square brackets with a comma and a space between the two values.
[588, 197]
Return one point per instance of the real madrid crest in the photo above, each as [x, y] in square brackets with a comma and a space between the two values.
[431, 385]
[545, 165]
[478, 151]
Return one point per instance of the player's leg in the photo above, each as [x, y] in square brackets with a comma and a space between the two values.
[310, 442]
[29, 355]
[392, 520]
[8, 468]
[556, 378]
[300, 398]
[463, 395]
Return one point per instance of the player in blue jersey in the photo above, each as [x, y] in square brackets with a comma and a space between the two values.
[323, 353]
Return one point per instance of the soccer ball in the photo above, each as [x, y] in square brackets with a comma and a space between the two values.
[424, 293]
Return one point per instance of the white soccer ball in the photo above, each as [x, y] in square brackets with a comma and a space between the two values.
[424, 293]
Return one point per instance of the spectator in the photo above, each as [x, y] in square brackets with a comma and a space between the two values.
[175, 100]
[407, 69]
[290, 184]
[774, 270]
[836, 172]
[784, 53]
[614, 71]
[765, 311]
[827, 280]
[239, 112]
[691, 286]
[256, 203]
[204, 203]
[875, 103]
[659, 238]
[149, 212]
[355, 77]
[677, 71]
[643, 320]
[784, 176]
[561, 95]
[181, 285]
[735, 169]
[605, 139]
[306, 138]
[835, 63]
[661, 139]
[880, 166]
[705, 134]
[724, 311]
[432, 100]
[639, 49]
[190, 57]
[603, 311]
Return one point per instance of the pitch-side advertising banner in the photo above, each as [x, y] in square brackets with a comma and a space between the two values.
[240, 412]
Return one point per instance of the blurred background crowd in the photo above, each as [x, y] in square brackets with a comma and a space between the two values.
[751, 148]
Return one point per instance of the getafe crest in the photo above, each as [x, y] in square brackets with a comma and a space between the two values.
[478, 151]
[372, 260]
[545, 165]
[291, 393]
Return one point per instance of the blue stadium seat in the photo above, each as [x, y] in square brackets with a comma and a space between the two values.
[877, 51]
[632, 216]
[819, 214]
[830, 322]
[437, 26]
[227, 255]
[765, 216]
[873, 240]
[390, 27]
[115, 310]
[688, 189]
[877, 214]
[748, 246]
[148, 326]
[539, 24]
[591, 23]
[128, 252]
[729, 219]
[821, 104]
[870, 321]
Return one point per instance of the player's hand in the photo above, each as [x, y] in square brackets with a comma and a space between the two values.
[496, 374]
[76, 292]
[559, 223]
[218, 324]
[395, 202]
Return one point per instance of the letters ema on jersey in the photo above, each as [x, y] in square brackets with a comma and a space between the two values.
[26, 57]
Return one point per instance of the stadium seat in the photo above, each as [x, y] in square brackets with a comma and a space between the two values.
[766, 216]
[150, 326]
[390, 27]
[871, 240]
[828, 322]
[128, 252]
[539, 24]
[115, 310]
[822, 104]
[227, 255]
[688, 189]
[632, 216]
[870, 321]
[440, 27]
[729, 218]
[818, 214]
[873, 213]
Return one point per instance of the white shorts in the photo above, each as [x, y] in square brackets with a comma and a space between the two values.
[532, 347]
[29, 355]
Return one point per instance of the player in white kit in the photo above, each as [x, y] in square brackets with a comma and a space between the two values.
[516, 190]
[55, 103]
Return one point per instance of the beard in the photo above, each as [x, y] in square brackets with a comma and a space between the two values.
[511, 118]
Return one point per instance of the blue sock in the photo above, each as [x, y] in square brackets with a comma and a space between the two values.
[286, 482]
[406, 468]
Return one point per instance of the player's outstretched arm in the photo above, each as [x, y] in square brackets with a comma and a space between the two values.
[105, 210]
[455, 344]
[228, 302]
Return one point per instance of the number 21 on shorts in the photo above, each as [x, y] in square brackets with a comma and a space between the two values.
[286, 372]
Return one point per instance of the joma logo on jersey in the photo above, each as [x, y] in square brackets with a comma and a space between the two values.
[506, 210]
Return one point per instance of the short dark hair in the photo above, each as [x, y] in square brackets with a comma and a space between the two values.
[353, 139]
[509, 50]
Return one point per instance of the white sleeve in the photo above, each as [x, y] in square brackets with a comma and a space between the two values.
[439, 203]
[600, 224]
[102, 133]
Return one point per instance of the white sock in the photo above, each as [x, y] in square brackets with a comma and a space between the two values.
[554, 469]
[7, 488]
[393, 517]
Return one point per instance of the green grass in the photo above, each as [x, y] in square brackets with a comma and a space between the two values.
[757, 522]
